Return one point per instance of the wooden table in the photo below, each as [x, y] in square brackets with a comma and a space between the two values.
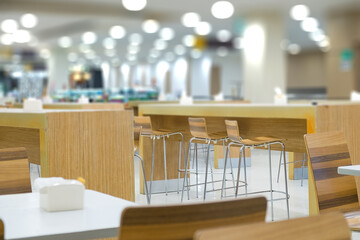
[289, 122]
[94, 144]
[24, 219]
[65, 105]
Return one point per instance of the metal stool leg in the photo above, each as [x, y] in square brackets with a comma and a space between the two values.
[197, 170]
[278, 174]
[286, 183]
[152, 167]
[206, 169]
[178, 187]
[145, 185]
[166, 184]
[238, 173]
[39, 170]
[271, 187]
[224, 178]
[245, 175]
[185, 175]
[302, 170]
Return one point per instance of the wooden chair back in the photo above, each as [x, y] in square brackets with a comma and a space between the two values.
[181, 221]
[321, 227]
[198, 127]
[2, 230]
[328, 151]
[144, 123]
[232, 130]
[14, 171]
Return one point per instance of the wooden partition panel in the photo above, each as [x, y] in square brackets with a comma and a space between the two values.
[97, 146]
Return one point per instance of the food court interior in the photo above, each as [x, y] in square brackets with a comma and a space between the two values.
[154, 119]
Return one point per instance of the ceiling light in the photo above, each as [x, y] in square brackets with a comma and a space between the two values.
[131, 57]
[150, 26]
[222, 51]
[195, 53]
[45, 53]
[238, 43]
[6, 39]
[324, 43]
[190, 19]
[72, 57]
[160, 44]
[9, 26]
[117, 32]
[65, 42]
[169, 56]
[134, 5]
[222, 9]
[133, 49]
[22, 36]
[294, 49]
[299, 12]
[309, 24]
[109, 43]
[135, 39]
[154, 53]
[180, 50]
[89, 38]
[167, 33]
[84, 48]
[28, 20]
[223, 35]
[110, 52]
[318, 35]
[203, 28]
[189, 40]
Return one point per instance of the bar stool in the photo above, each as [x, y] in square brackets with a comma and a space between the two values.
[137, 133]
[147, 131]
[302, 168]
[199, 132]
[232, 129]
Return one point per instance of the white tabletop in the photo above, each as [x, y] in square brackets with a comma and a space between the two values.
[353, 170]
[24, 219]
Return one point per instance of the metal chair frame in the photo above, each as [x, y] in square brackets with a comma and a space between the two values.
[302, 168]
[190, 171]
[271, 190]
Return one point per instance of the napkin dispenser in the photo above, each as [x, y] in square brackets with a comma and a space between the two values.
[33, 104]
[63, 195]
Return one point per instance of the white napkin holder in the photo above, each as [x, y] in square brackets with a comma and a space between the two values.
[33, 104]
[61, 195]
[355, 96]
[219, 97]
[280, 99]
[83, 100]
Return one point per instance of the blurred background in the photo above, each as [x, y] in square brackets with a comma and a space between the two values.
[121, 50]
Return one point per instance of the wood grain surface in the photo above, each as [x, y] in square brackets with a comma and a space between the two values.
[324, 227]
[181, 221]
[14, 171]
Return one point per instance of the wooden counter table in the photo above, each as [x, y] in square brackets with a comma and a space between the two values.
[289, 122]
[66, 105]
[94, 144]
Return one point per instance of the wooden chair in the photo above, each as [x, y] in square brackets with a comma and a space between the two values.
[181, 221]
[137, 133]
[14, 171]
[328, 151]
[233, 134]
[147, 131]
[322, 227]
[200, 134]
[2, 230]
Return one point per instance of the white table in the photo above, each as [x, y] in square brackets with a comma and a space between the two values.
[24, 219]
[353, 170]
